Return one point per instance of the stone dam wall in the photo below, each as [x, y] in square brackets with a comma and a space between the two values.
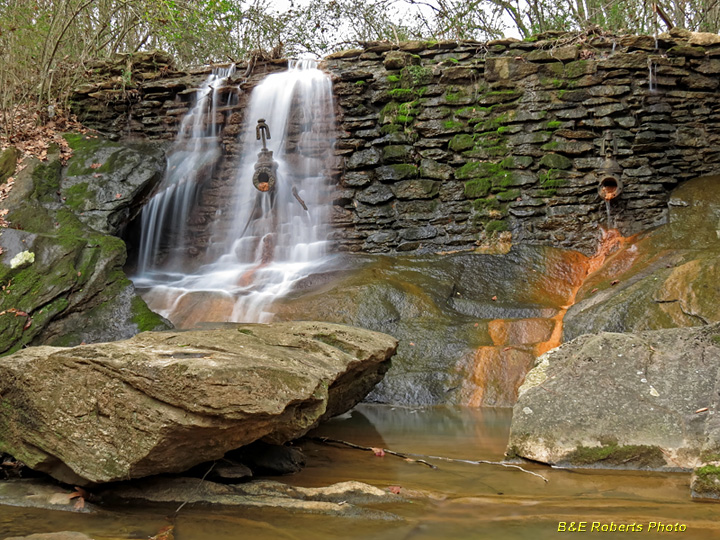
[446, 146]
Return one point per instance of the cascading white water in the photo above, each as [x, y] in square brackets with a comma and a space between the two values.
[273, 239]
[194, 154]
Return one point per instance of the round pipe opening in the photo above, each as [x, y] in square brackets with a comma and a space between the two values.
[609, 187]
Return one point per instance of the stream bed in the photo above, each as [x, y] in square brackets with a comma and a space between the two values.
[456, 501]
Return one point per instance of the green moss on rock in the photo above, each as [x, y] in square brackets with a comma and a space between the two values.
[486, 205]
[415, 75]
[8, 161]
[613, 455]
[453, 124]
[555, 161]
[461, 142]
[46, 181]
[391, 128]
[395, 153]
[478, 187]
[77, 196]
[706, 482]
[495, 226]
[145, 319]
[508, 195]
[402, 94]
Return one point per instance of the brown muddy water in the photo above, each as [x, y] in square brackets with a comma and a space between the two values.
[456, 501]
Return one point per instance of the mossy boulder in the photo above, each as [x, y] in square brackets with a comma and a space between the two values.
[705, 483]
[62, 281]
[164, 402]
[642, 401]
[106, 183]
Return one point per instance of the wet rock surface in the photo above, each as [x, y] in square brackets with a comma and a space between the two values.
[341, 499]
[667, 278]
[63, 535]
[644, 401]
[470, 325]
[163, 402]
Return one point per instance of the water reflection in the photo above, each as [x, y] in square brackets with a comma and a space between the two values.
[457, 501]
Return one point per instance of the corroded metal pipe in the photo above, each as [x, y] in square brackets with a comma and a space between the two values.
[609, 187]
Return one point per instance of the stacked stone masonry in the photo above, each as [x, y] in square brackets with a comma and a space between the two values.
[454, 145]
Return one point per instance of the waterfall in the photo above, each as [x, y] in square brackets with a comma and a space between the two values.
[262, 242]
[192, 157]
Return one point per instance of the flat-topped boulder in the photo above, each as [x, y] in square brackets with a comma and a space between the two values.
[165, 401]
[641, 401]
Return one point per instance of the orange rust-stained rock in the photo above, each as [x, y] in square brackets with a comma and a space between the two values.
[498, 371]
[497, 375]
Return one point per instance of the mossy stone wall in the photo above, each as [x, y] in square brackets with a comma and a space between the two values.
[512, 134]
[454, 145]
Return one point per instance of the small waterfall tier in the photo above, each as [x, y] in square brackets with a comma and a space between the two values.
[266, 236]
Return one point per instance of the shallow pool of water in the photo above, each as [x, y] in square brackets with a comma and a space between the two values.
[455, 501]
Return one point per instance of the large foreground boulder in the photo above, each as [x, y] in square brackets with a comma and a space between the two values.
[163, 402]
[646, 401]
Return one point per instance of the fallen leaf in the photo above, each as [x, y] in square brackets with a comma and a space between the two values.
[615, 282]
[395, 489]
[118, 196]
[594, 290]
[494, 298]
[379, 452]
[96, 165]
[476, 325]
[701, 410]
[507, 349]
[28, 324]
[166, 533]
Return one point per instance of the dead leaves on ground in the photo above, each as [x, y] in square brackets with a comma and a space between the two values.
[34, 138]
[79, 496]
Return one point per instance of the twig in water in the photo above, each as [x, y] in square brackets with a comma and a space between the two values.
[406, 457]
[411, 457]
[483, 462]
[198, 486]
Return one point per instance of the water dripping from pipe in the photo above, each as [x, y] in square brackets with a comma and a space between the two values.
[652, 76]
[609, 216]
